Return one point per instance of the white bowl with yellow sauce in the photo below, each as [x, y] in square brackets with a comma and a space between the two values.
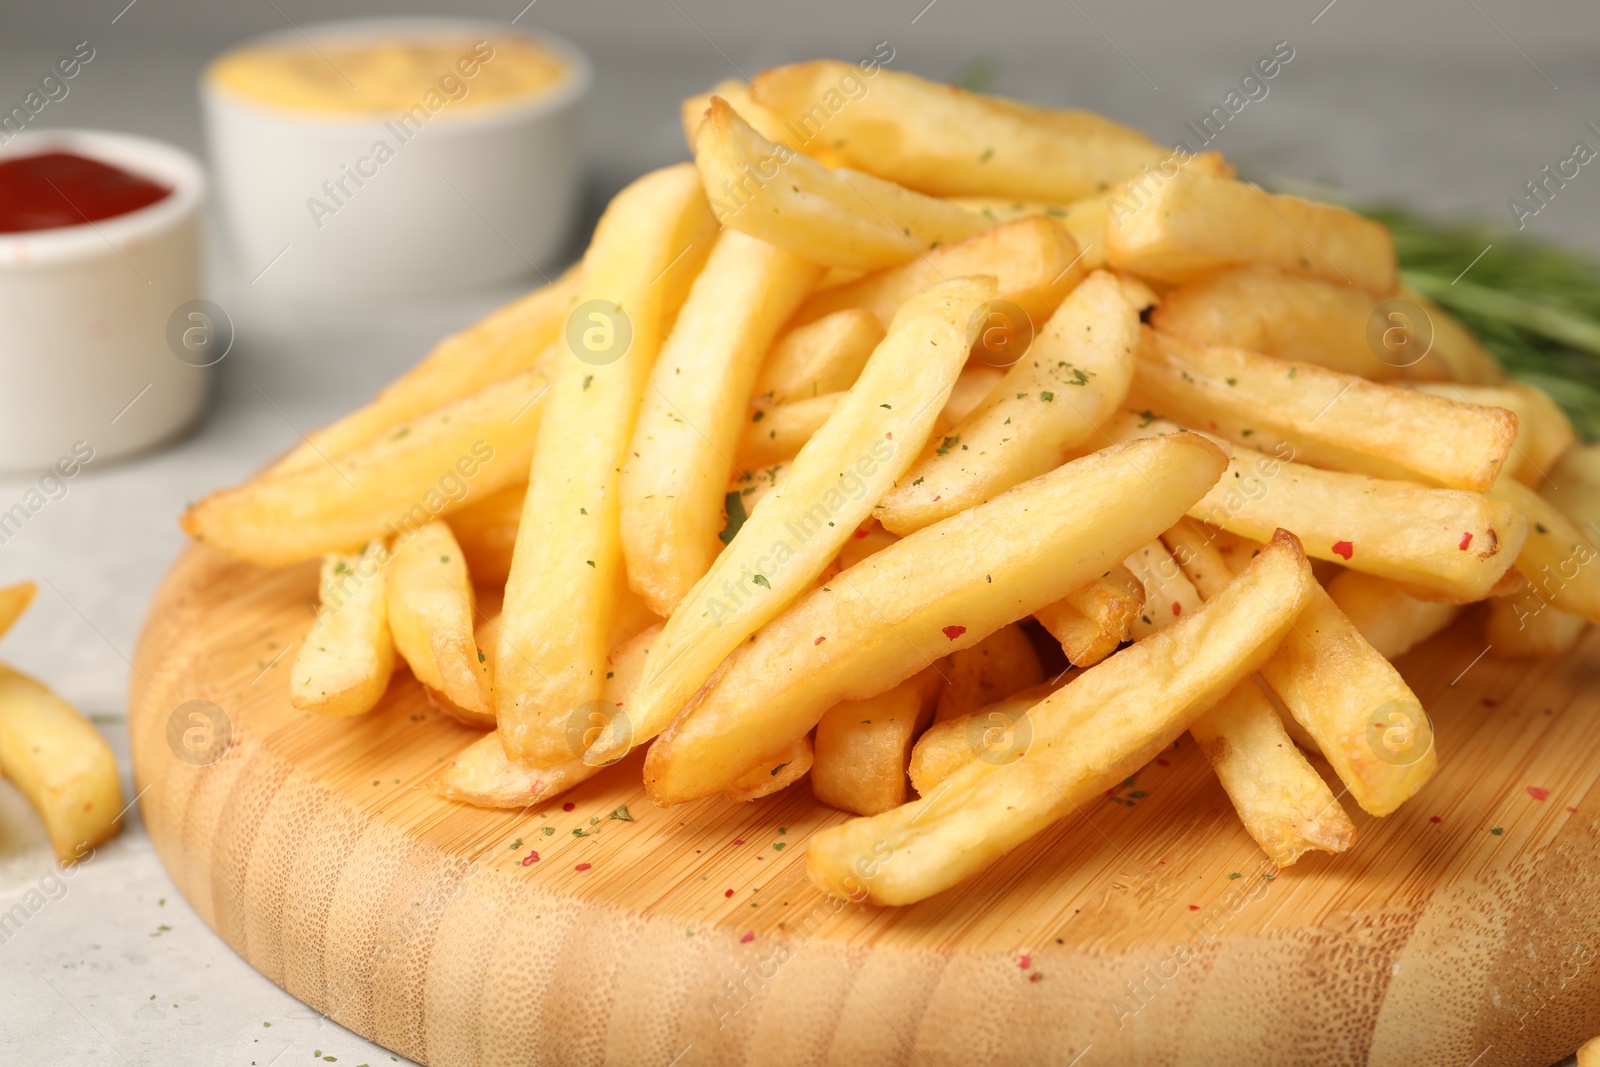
[385, 157]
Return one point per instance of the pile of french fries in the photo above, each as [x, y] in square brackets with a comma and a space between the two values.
[960, 453]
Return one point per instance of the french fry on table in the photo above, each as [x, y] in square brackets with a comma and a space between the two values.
[1562, 566]
[947, 746]
[432, 618]
[344, 666]
[824, 356]
[863, 747]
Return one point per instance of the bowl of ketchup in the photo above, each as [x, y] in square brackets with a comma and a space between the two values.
[99, 269]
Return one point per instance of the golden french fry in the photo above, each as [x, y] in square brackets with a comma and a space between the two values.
[824, 356]
[1391, 619]
[835, 218]
[1457, 543]
[873, 435]
[1168, 593]
[864, 746]
[1095, 618]
[780, 772]
[1195, 550]
[946, 747]
[1194, 223]
[775, 434]
[675, 479]
[1544, 433]
[509, 341]
[567, 567]
[1072, 377]
[737, 93]
[1574, 488]
[971, 389]
[994, 668]
[14, 600]
[1283, 802]
[482, 775]
[896, 612]
[867, 540]
[1084, 219]
[343, 668]
[1113, 719]
[1537, 630]
[1332, 420]
[60, 763]
[486, 530]
[1034, 260]
[946, 141]
[432, 611]
[397, 483]
[1558, 561]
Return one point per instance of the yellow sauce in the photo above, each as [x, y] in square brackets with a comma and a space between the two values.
[387, 77]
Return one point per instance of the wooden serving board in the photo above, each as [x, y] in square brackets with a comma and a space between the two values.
[1145, 930]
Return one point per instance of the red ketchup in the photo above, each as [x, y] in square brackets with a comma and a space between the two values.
[55, 189]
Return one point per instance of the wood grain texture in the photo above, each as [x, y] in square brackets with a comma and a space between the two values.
[1467, 925]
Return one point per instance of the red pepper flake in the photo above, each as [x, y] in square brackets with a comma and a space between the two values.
[1163, 762]
[1025, 961]
[1177, 608]
[729, 893]
[568, 806]
[583, 866]
[1538, 793]
[818, 641]
[939, 497]
[738, 840]
[1194, 907]
[861, 532]
[1466, 541]
[953, 632]
[1344, 548]
[890, 436]
[750, 935]
[1490, 702]
[1572, 811]
[1435, 819]
[530, 859]
[1036, 976]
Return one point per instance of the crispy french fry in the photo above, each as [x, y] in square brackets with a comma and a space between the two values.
[1544, 433]
[1517, 629]
[1168, 593]
[946, 747]
[1194, 223]
[1084, 219]
[970, 390]
[775, 434]
[60, 763]
[343, 668]
[780, 772]
[897, 611]
[1194, 549]
[510, 341]
[835, 218]
[1332, 420]
[824, 356]
[1034, 260]
[561, 595]
[1285, 805]
[1073, 376]
[674, 481]
[14, 600]
[1392, 620]
[737, 93]
[1574, 488]
[864, 746]
[878, 428]
[994, 668]
[432, 612]
[1112, 720]
[1561, 565]
[486, 530]
[1457, 543]
[948, 142]
[1095, 618]
[482, 775]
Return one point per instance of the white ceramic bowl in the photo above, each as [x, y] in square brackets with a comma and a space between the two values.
[474, 197]
[85, 312]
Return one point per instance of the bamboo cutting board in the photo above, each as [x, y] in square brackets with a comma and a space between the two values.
[1145, 930]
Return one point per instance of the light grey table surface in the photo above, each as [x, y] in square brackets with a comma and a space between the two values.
[119, 969]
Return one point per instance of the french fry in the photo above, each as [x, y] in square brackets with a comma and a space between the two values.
[486, 530]
[1517, 629]
[1459, 356]
[509, 341]
[1544, 433]
[1194, 223]
[864, 746]
[896, 612]
[343, 668]
[421, 471]
[775, 434]
[1034, 260]
[1389, 618]
[1084, 219]
[60, 763]
[824, 356]
[1561, 565]
[674, 481]
[1332, 420]
[780, 772]
[946, 747]
[1195, 551]
[1589, 1053]
[482, 775]
[1456, 543]
[942, 140]
[1168, 593]
[877, 429]
[1073, 376]
[867, 540]
[432, 612]
[14, 600]
[1112, 720]
[977, 381]
[748, 488]
[561, 595]
[1574, 488]
[835, 218]
[1284, 803]
[1092, 620]
[994, 668]
[736, 92]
